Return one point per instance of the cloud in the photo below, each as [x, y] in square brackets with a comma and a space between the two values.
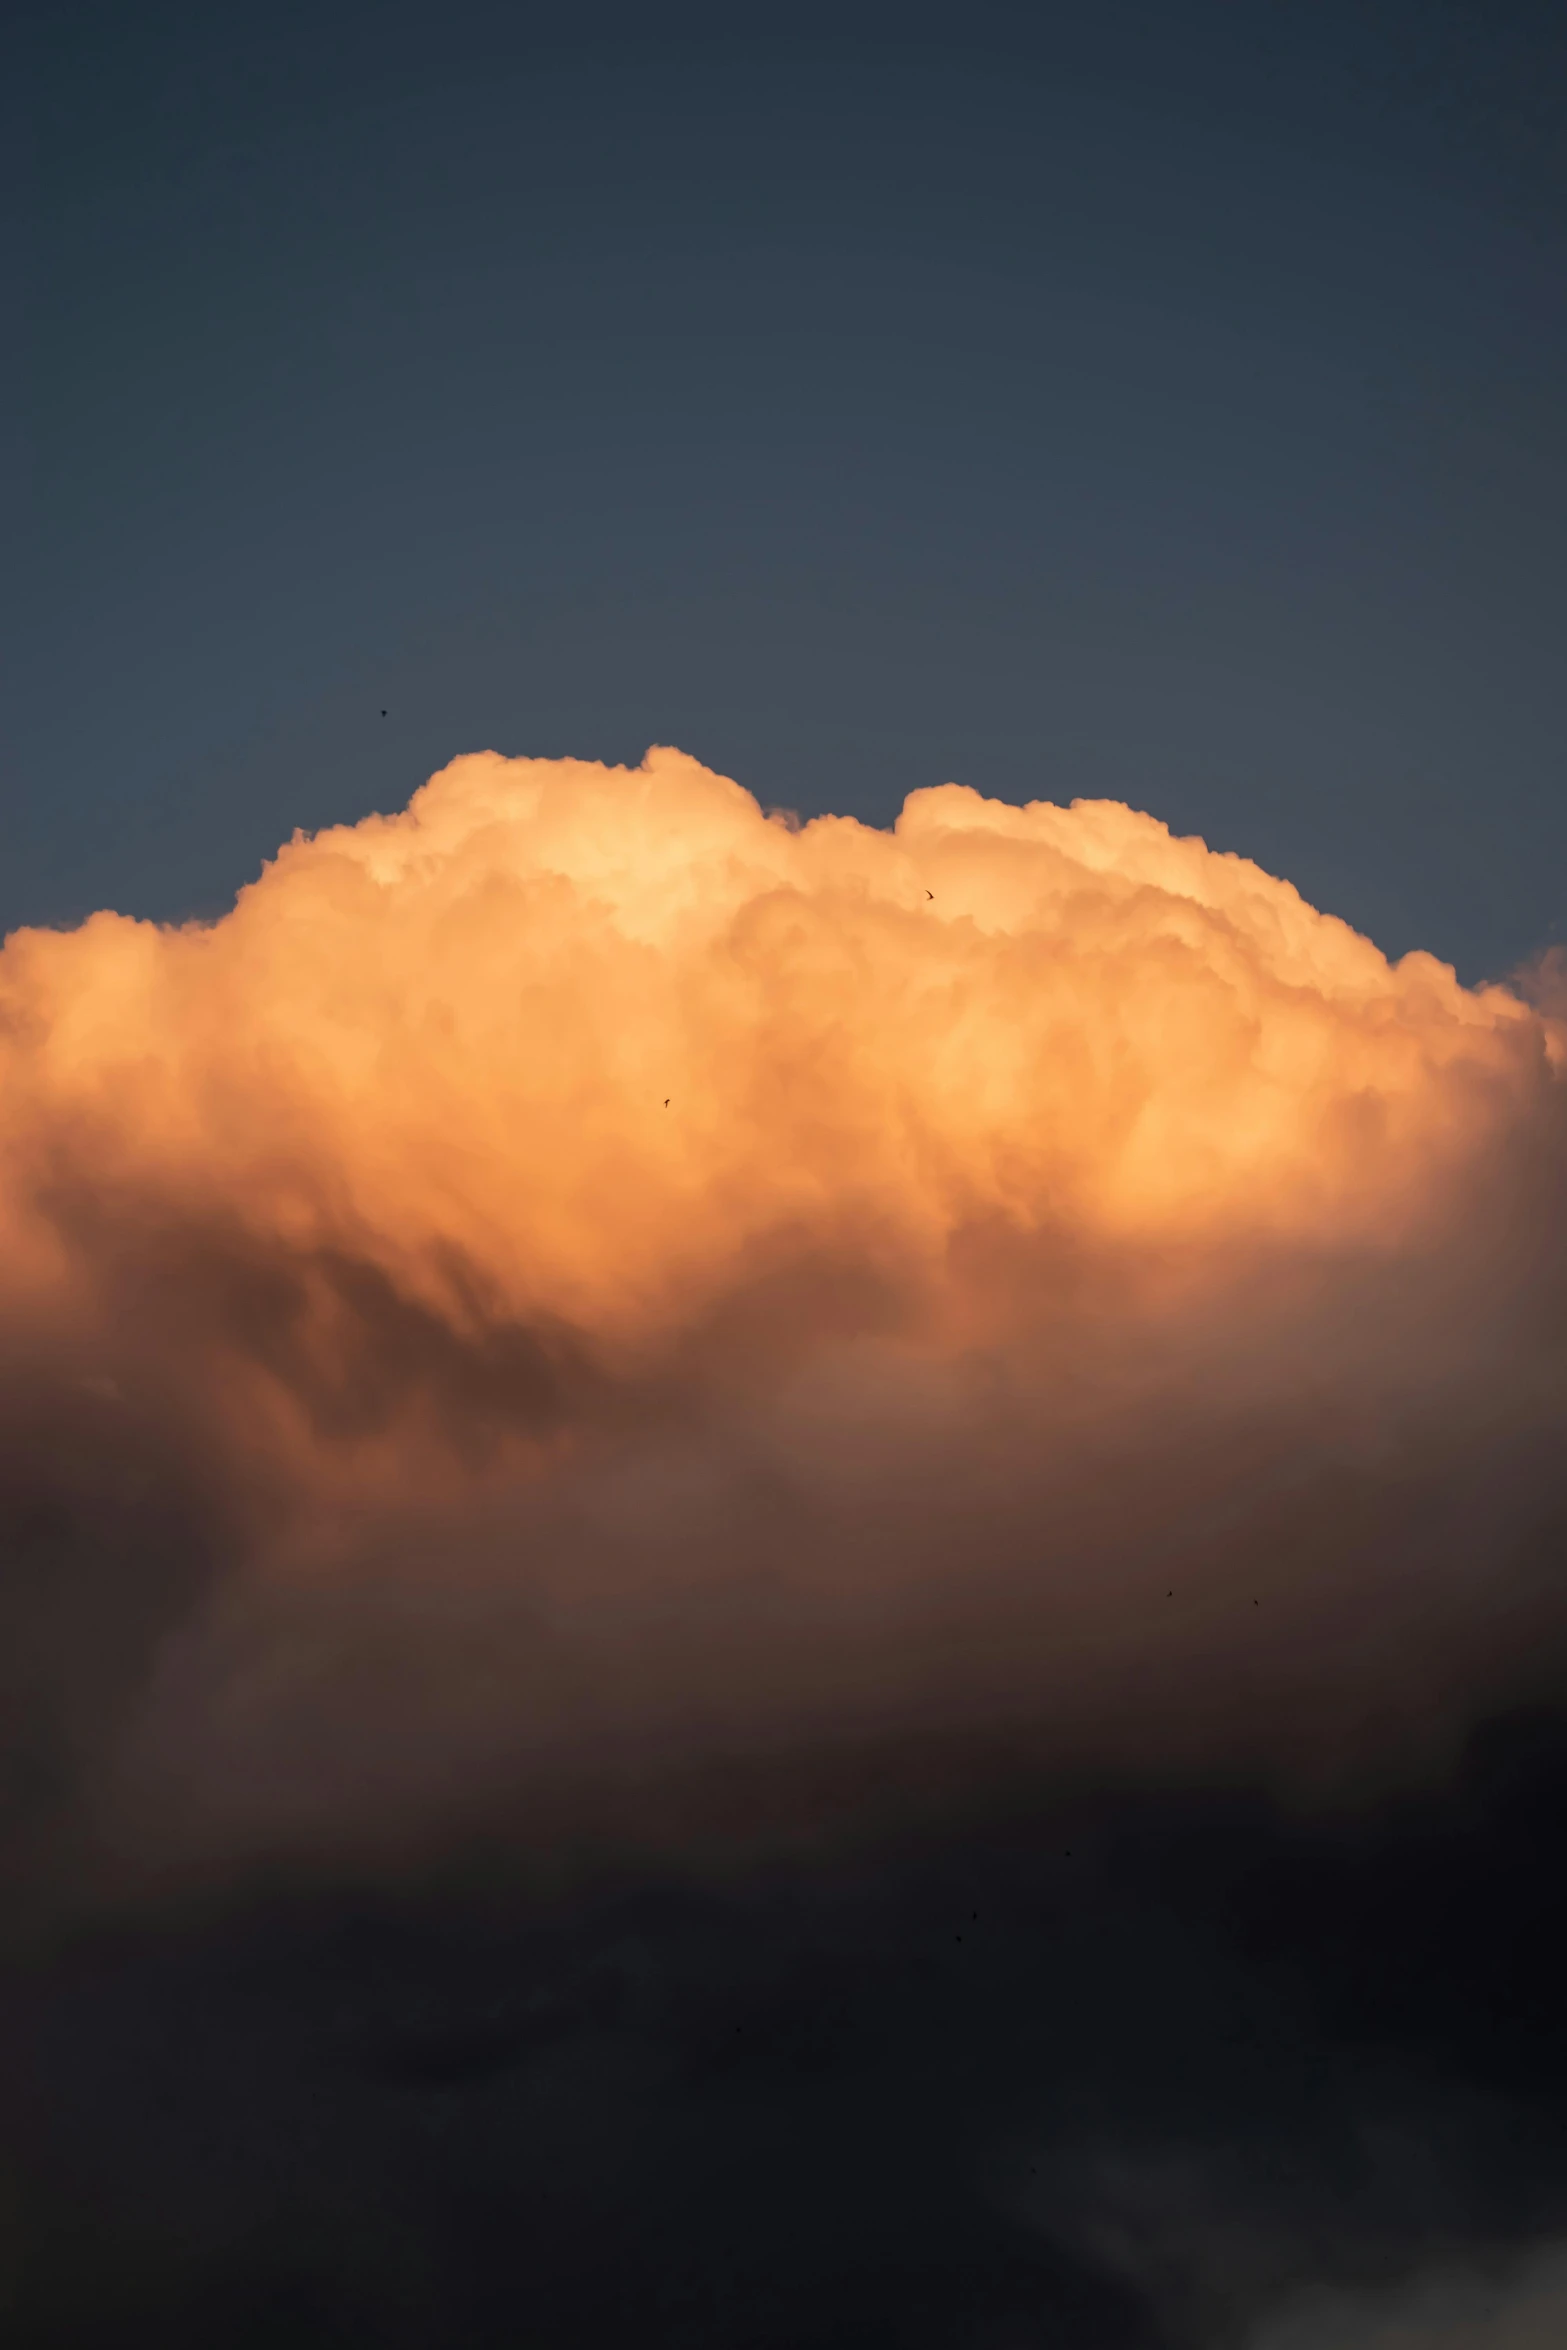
[585, 1302]
[1524, 2308]
[762, 1574]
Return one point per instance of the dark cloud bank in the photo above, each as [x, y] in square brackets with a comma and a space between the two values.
[1121, 2071]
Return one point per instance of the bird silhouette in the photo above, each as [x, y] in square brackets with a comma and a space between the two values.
[930, 893]
[666, 1101]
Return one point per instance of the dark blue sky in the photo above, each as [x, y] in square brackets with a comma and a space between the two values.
[1167, 404]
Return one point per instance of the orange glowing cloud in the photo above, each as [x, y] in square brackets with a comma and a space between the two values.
[584, 1189]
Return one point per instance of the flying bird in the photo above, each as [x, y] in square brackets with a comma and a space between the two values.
[930, 893]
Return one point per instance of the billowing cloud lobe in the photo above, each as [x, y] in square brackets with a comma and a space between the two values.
[587, 1298]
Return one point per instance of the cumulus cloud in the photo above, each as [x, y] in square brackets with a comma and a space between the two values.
[581, 1296]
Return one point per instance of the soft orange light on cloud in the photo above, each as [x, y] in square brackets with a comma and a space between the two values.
[459, 1027]
[583, 1149]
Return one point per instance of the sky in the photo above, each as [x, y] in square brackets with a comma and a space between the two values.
[1161, 404]
[783, 1280]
